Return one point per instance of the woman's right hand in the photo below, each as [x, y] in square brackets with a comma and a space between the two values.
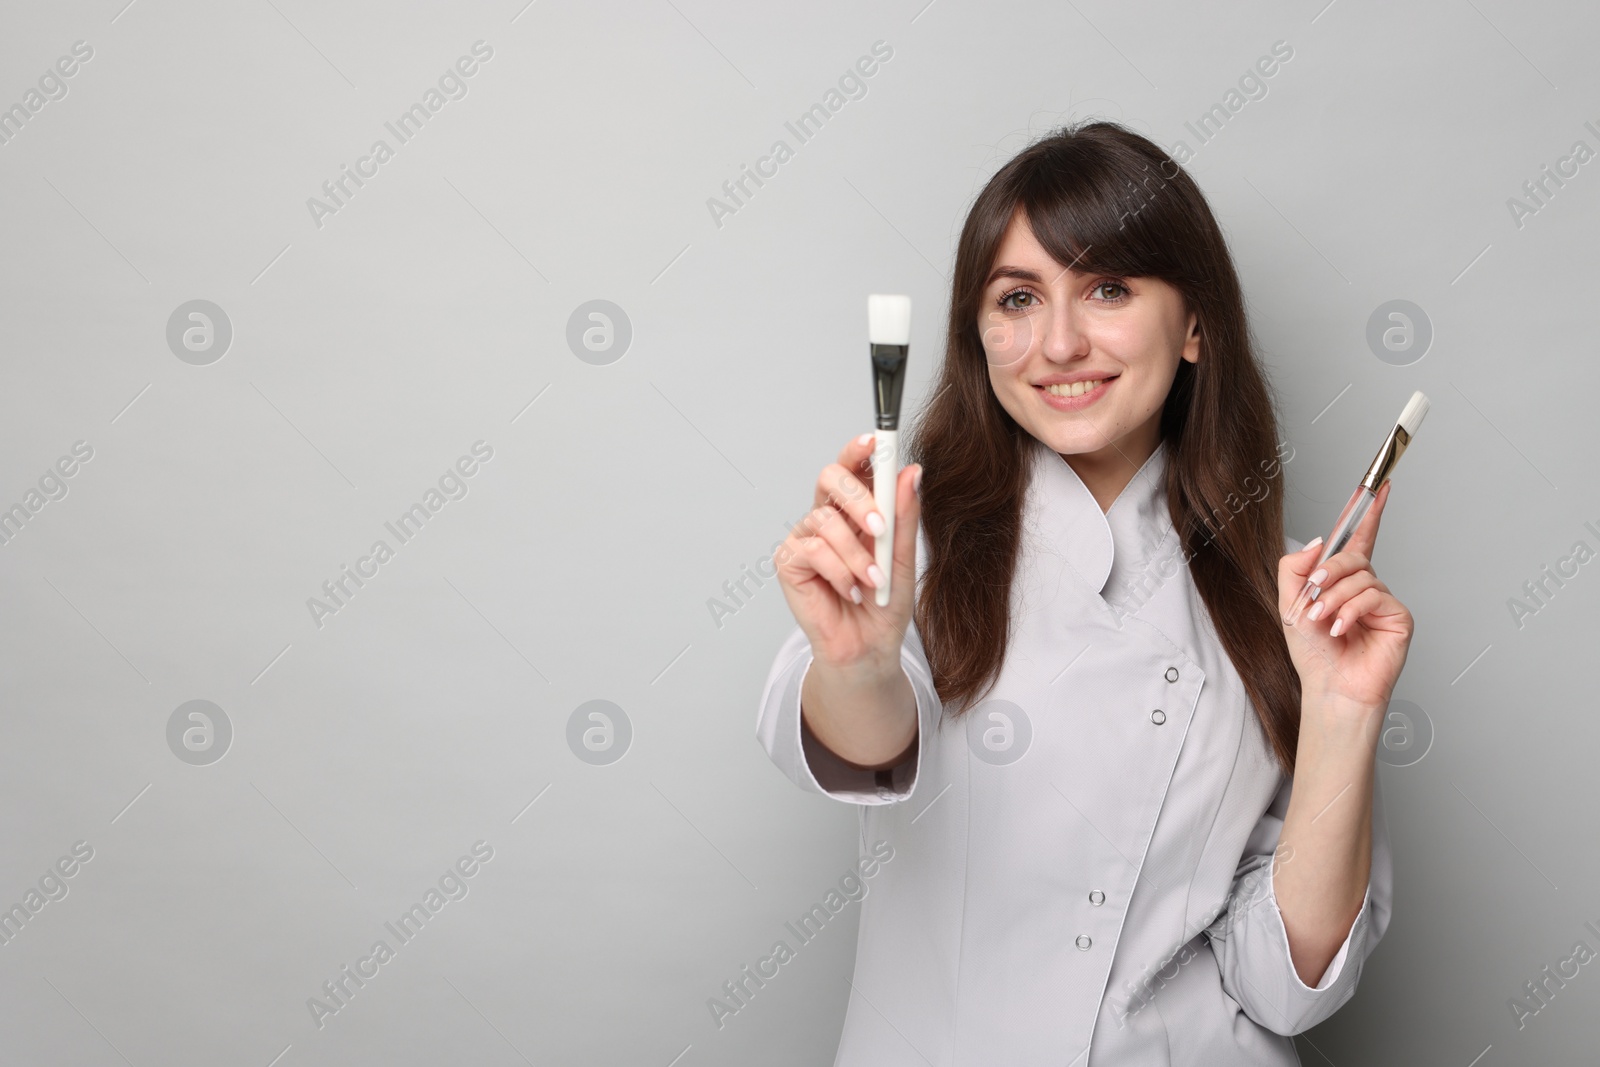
[827, 564]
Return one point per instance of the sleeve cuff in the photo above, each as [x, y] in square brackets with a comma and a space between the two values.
[826, 773]
[1336, 965]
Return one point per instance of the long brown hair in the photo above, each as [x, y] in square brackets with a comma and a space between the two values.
[1104, 199]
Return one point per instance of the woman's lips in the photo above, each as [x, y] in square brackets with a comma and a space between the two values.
[1075, 403]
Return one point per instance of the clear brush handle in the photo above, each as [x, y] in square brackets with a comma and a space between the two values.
[1354, 511]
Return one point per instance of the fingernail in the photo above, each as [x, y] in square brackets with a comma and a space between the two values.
[1338, 625]
[855, 593]
[1316, 610]
[1312, 544]
[1319, 576]
[916, 481]
[875, 572]
[875, 523]
[865, 439]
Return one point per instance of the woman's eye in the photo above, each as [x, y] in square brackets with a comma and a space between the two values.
[1121, 290]
[1018, 295]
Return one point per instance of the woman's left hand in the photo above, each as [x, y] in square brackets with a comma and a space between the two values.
[1352, 651]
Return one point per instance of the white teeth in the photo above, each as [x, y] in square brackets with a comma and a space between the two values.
[1074, 389]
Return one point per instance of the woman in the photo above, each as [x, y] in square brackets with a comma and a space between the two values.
[1132, 817]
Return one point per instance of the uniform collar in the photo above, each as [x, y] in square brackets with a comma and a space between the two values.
[1106, 549]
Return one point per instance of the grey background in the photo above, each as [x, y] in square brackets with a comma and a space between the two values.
[431, 312]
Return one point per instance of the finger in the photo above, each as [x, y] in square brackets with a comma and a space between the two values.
[815, 555]
[1303, 560]
[856, 448]
[1336, 568]
[856, 457]
[907, 514]
[1293, 568]
[1335, 596]
[850, 491]
[1341, 567]
[798, 575]
[1365, 535]
[845, 540]
[1367, 602]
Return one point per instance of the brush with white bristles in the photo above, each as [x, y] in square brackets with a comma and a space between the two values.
[1394, 446]
[889, 335]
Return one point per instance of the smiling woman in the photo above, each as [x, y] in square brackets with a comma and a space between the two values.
[1070, 270]
[1137, 329]
[1109, 781]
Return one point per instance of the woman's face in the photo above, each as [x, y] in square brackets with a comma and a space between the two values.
[1043, 323]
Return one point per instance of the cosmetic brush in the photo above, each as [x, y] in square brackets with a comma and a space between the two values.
[1394, 446]
[889, 335]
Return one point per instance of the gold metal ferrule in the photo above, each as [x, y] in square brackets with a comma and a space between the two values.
[1394, 446]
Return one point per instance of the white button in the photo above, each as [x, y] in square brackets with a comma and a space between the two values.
[1084, 942]
[1097, 898]
[1172, 674]
[1158, 716]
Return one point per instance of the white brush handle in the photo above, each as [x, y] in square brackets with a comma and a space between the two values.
[885, 477]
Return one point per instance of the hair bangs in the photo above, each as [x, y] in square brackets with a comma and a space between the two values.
[1093, 218]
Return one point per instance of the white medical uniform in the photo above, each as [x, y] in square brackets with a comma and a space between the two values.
[1081, 873]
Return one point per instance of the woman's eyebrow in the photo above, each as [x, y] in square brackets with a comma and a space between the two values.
[1022, 273]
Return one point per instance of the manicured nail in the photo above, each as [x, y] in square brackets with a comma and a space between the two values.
[1319, 576]
[1316, 610]
[1312, 544]
[1338, 625]
[865, 439]
[855, 593]
[875, 523]
[916, 481]
[875, 573]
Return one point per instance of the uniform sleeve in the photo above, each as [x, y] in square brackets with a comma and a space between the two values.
[810, 764]
[1252, 946]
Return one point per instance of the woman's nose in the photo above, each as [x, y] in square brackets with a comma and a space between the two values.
[1064, 335]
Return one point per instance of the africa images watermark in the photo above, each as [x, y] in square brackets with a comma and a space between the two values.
[766, 568]
[339, 990]
[1539, 191]
[1538, 591]
[52, 486]
[52, 86]
[1139, 588]
[452, 485]
[452, 85]
[852, 887]
[852, 85]
[52, 886]
[763, 571]
[1252, 86]
[1539, 993]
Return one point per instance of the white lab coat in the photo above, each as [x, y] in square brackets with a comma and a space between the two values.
[1106, 899]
